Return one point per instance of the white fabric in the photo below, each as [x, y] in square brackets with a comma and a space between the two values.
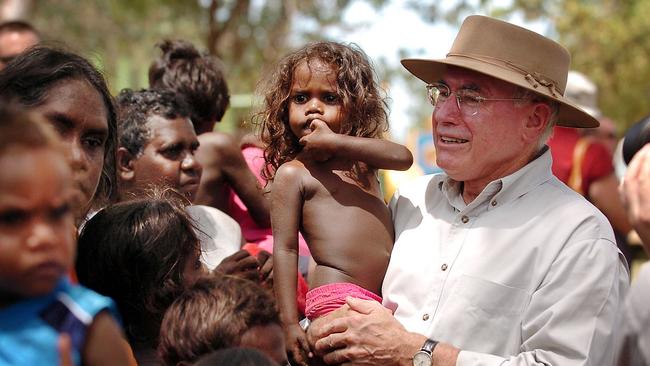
[219, 234]
[533, 277]
[635, 347]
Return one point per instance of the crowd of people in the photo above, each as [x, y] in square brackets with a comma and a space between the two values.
[132, 233]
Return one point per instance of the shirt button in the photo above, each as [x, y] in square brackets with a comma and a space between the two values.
[494, 203]
[425, 317]
[444, 267]
[464, 219]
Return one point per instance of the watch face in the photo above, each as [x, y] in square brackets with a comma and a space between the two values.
[422, 359]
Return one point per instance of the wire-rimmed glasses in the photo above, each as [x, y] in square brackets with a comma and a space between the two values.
[467, 100]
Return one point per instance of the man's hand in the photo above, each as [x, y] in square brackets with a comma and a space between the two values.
[240, 264]
[320, 144]
[370, 335]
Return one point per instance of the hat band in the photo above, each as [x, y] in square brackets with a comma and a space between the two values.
[535, 79]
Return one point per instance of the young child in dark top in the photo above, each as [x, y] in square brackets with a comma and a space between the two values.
[323, 121]
[38, 305]
[142, 253]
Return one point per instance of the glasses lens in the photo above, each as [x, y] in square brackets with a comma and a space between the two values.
[468, 101]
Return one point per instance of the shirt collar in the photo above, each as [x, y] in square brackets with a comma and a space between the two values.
[502, 190]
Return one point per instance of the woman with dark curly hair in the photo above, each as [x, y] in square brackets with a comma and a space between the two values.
[142, 254]
[322, 123]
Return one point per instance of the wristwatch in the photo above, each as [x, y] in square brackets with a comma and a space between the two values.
[423, 356]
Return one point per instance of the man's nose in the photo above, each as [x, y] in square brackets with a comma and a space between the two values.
[448, 108]
[190, 163]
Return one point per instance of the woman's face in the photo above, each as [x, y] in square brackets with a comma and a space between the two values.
[78, 113]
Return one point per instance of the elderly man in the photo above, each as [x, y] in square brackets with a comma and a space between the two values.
[496, 262]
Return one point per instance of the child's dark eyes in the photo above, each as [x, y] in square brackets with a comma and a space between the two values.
[331, 98]
[327, 98]
[58, 213]
[13, 217]
[300, 98]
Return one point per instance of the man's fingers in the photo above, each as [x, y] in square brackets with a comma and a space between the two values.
[362, 306]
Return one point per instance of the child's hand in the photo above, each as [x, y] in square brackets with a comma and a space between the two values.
[265, 260]
[240, 264]
[320, 144]
[297, 346]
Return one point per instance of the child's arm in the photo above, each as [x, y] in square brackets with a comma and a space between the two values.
[286, 212]
[377, 153]
[104, 343]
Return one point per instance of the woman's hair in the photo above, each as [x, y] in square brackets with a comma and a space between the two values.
[136, 107]
[635, 138]
[196, 76]
[29, 77]
[364, 104]
[135, 252]
[211, 315]
[236, 356]
[22, 129]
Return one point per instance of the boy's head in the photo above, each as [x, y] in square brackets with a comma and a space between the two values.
[143, 254]
[156, 143]
[36, 221]
[198, 77]
[236, 356]
[73, 97]
[218, 312]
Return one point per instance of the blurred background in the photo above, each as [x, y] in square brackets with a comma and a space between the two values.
[608, 40]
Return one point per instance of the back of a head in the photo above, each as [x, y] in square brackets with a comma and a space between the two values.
[136, 107]
[212, 315]
[198, 77]
[236, 356]
[583, 92]
[135, 252]
[28, 79]
[635, 138]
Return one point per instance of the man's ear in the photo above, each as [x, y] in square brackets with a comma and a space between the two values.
[538, 119]
[125, 164]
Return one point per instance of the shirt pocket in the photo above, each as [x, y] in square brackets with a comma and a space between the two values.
[483, 316]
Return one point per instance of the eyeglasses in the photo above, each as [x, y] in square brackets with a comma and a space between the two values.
[467, 100]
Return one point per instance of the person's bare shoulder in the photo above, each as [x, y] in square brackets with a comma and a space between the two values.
[293, 170]
[217, 147]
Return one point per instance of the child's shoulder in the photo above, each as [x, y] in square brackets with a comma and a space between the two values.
[292, 168]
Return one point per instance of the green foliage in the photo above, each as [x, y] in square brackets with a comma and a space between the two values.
[249, 36]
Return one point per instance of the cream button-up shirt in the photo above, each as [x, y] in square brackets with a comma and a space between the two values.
[526, 274]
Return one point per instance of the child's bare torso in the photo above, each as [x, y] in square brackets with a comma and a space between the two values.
[346, 223]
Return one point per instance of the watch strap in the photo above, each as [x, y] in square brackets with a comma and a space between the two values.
[429, 345]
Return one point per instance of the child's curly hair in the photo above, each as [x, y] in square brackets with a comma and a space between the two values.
[363, 102]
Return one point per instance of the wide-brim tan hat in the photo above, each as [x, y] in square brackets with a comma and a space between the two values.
[512, 54]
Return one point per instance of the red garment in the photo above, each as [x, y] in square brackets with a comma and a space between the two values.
[597, 162]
